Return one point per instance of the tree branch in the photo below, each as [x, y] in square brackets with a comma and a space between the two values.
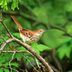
[30, 49]
[11, 61]
[5, 43]
[10, 35]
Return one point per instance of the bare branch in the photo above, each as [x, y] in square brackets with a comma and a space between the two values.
[10, 51]
[10, 35]
[5, 43]
[11, 60]
[30, 49]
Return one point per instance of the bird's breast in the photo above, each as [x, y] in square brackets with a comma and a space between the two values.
[24, 38]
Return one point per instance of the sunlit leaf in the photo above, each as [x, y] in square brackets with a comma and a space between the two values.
[15, 4]
[39, 47]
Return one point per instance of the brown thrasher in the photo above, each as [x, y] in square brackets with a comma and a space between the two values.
[28, 35]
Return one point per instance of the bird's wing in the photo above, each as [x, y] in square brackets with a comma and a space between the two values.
[27, 33]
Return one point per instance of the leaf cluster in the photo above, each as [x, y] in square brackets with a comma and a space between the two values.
[54, 16]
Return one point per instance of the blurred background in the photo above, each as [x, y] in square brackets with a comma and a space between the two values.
[55, 45]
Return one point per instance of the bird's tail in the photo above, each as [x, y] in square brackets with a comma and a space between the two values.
[16, 22]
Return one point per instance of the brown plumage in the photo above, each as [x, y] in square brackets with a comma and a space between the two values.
[28, 35]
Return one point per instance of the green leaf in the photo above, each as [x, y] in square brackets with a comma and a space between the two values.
[18, 56]
[13, 64]
[4, 57]
[21, 48]
[17, 35]
[1, 70]
[14, 4]
[34, 46]
[25, 23]
[28, 2]
[69, 28]
[64, 51]
[68, 6]
[41, 14]
[1, 40]
[42, 47]
[29, 60]
[3, 4]
[70, 71]
[38, 26]
[56, 18]
[6, 70]
[10, 25]
[39, 47]
[53, 38]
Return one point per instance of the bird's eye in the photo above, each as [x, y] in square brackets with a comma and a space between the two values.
[40, 31]
[26, 33]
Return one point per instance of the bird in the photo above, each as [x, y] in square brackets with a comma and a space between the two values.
[27, 35]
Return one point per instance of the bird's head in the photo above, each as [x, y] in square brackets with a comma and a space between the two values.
[40, 31]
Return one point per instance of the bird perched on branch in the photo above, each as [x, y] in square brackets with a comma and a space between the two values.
[26, 34]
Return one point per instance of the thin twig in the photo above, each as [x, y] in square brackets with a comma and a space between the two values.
[30, 49]
[9, 68]
[5, 43]
[14, 51]
[33, 66]
[11, 60]
[10, 35]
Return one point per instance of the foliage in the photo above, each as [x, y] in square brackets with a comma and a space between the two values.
[54, 16]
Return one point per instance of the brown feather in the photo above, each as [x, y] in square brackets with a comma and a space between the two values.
[17, 23]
